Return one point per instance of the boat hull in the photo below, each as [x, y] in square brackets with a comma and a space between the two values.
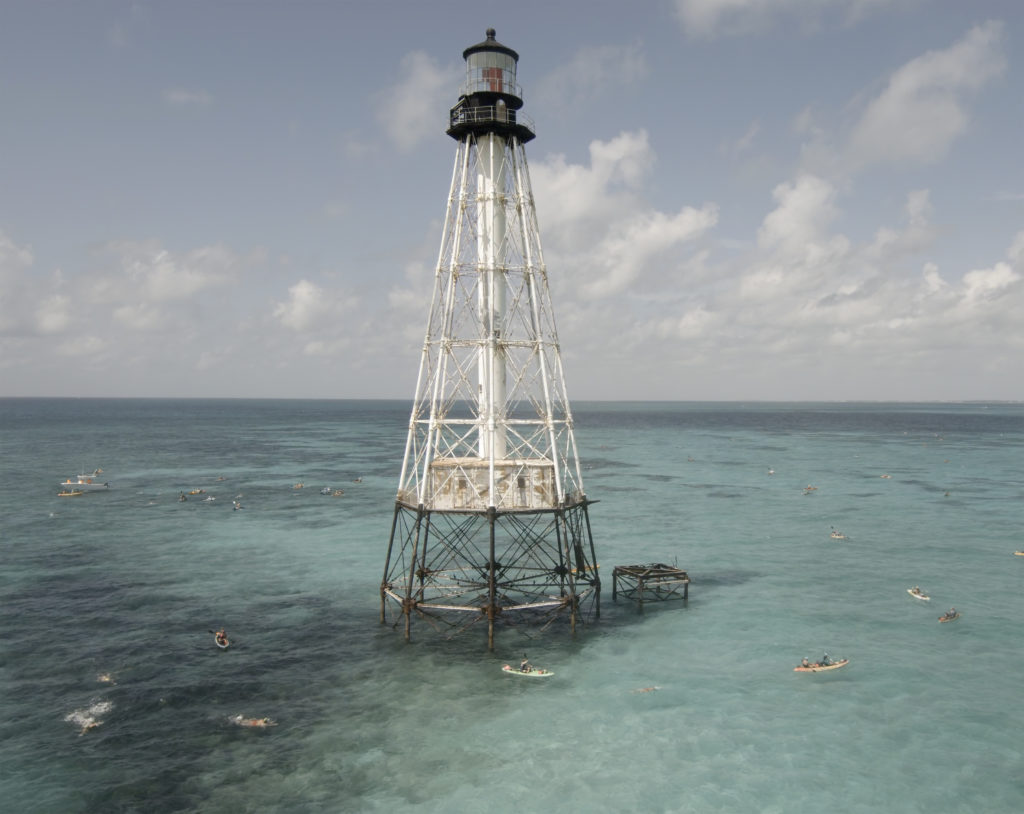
[84, 486]
[534, 672]
[817, 668]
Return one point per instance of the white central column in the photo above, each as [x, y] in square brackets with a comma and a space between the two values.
[490, 185]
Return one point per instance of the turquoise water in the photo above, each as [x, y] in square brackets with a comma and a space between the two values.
[126, 584]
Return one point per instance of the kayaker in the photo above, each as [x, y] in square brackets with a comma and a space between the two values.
[222, 637]
[825, 661]
[524, 665]
[805, 662]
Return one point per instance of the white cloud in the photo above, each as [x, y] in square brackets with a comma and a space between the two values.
[140, 317]
[408, 110]
[1016, 251]
[131, 19]
[918, 234]
[83, 346]
[922, 109]
[605, 237]
[805, 207]
[708, 18]
[150, 273]
[120, 312]
[632, 246]
[53, 314]
[336, 210]
[933, 282]
[743, 144]
[179, 97]
[12, 256]
[16, 285]
[407, 301]
[807, 292]
[310, 308]
[592, 71]
[989, 284]
[571, 195]
[693, 325]
[320, 347]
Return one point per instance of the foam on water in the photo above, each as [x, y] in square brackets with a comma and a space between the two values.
[127, 585]
[89, 718]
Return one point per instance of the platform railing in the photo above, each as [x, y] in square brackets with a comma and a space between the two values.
[489, 113]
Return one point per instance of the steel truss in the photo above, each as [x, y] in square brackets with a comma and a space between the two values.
[491, 521]
[455, 570]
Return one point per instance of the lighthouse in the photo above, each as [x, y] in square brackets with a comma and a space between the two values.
[491, 524]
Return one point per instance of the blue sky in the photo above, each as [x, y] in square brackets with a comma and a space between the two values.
[738, 199]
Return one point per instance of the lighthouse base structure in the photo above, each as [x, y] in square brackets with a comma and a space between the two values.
[460, 569]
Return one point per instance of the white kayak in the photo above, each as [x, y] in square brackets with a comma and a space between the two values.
[919, 595]
[820, 668]
[533, 672]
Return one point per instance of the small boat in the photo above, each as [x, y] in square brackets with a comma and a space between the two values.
[949, 617]
[1018, 553]
[87, 483]
[821, 668]
[837, 535]
[198, 492]
[917, 593]
[326, 490]
[220, 637]
[70, 493]
[533, 672]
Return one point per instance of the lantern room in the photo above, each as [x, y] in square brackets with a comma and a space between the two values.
[490, 98]
[491, 69]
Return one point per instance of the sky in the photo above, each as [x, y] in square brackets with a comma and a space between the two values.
[779, 200]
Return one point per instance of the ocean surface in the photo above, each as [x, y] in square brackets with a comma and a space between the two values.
[115, 699]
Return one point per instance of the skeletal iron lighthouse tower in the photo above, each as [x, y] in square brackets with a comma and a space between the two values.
[491, 522]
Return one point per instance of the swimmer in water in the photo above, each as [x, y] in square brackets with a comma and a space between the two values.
[260, 723]
[87, 719]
